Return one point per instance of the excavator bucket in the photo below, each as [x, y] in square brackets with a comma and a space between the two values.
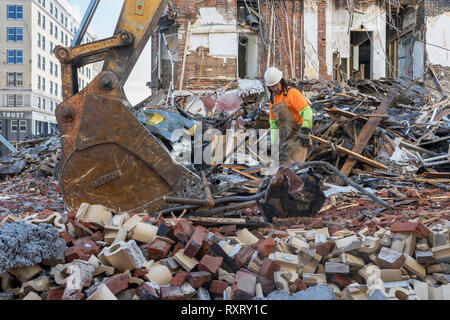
[108, 157]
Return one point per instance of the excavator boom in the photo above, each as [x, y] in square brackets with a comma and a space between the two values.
[108, 157]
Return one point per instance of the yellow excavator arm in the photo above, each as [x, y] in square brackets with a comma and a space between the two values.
[108, 157]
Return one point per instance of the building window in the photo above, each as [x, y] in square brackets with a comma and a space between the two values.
[1, 125]
[39, 40]
[39, 18]
[51, 67]
[14, 12]
[43, 63]
[51, 8]
[56, 32]
[43, 43]
[39, 61]
[14, 124]
[51, 28]
[15, 56]
[39, 102]
[43, 103]
[51, 47]
[14, 79]
[56, 12]
[23, 125]
[56, 89]
[51, 87]
[43, 22]
[43, 84]
[56, 69]
[15, 100]
[15, 34]
[39, 83]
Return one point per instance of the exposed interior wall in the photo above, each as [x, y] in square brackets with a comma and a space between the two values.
[310, 15]
[373, 20]
[438, 35]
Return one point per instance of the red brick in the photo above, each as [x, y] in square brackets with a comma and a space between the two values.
[197, 279]
[411, 227]
[76, 252]
[325, 248]
[196, 242]
[218, 287]
[75, 295]
[267, 285]
[180, 278]
[210, 264]
[203, 250]
[55, 294]
[87, 245]
[158, 249]
[98, 236]
[268, 268]
[229, 230]
[333, 229]
[300, 285]
[140, 272]
[244, 287]
[172, 293]
[82, 231]
[146, 292]
[266, 247]
[243, 257]
[117, 283]
[66, 237]
[183, 230]
[340, 280]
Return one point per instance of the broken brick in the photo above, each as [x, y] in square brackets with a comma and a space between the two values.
[87, 245]
[325, 248]
[158, 249]
[340, 280]
[172, 293]
[229, 230]
[390, 259]
[66, 237]
[180, 278]
[266, 246]
[197, 279]
[55, 294]
[218, 287]
[244, 287]
[117, 283]
[76, 252]
[210, 264]
[268, 268]
[410, 227]
[183, 230]
[203, 250]
[243, 257]
[195, 242]
[146, 292]
[300, 285]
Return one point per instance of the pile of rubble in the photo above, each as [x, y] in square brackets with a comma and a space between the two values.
[97, 254]
[298, 234]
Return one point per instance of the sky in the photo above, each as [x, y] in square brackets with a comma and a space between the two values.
[103, 24]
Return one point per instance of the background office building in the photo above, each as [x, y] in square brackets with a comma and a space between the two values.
[30, 75]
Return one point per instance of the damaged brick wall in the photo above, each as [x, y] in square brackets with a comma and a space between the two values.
[205, 71]
[436, 7]
[293, 14]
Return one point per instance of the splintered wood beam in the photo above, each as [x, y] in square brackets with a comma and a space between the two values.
[368, 131]
[352, 154]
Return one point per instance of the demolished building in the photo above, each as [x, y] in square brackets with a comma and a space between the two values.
[213, 43]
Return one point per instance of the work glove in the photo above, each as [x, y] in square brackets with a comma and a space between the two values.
[304, 137]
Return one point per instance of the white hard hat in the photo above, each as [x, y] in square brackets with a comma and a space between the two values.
[272, 76]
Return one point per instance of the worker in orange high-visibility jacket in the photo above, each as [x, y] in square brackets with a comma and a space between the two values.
[291, 117]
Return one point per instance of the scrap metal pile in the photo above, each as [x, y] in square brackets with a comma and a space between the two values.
[306, 232]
